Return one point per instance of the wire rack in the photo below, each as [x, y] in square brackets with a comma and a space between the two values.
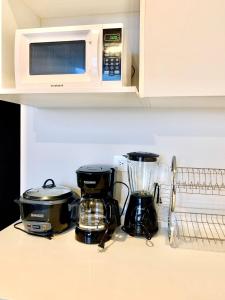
[196, 227]
[200, 181]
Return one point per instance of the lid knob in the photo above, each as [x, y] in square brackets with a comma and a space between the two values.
[49, 186]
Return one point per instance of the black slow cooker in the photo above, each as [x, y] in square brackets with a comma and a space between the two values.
[47, 210]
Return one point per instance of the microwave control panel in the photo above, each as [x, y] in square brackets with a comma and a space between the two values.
[112, 53]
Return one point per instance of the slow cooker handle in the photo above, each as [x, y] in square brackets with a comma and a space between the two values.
[49, 186]
[17, 201]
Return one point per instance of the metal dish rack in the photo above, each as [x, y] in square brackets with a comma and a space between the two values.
[197, 208]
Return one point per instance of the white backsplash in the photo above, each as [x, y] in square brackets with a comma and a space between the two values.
[55, 142]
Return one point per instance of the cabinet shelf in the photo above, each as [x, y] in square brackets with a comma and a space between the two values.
[98, 97]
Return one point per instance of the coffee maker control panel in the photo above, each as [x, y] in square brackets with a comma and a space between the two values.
[112, 54]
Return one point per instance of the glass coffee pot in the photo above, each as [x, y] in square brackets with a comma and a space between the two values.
[141, 216]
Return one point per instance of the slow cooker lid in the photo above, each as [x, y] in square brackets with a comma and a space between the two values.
[49, 191]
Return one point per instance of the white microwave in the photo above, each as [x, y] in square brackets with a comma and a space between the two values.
[72, 57]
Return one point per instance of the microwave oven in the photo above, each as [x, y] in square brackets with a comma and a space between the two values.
[72, 57]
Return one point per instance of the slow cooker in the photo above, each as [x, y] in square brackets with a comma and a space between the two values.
[47, 210]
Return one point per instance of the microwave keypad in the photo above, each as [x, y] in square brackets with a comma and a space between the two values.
[111, 65]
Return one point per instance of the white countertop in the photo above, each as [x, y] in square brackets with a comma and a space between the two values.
[34, 268]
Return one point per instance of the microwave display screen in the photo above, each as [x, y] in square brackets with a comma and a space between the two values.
[49, 58]
[113, 37]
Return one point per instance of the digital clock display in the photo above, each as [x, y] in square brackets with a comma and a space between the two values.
[112, 37]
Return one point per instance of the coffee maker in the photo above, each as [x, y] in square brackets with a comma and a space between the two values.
[141, 216]
[98, 213]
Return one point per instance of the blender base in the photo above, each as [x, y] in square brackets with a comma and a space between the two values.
[141, 217]
[139, 233]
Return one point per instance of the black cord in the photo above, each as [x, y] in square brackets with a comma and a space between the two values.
[133, 71]
[128, 190]
[48, 236]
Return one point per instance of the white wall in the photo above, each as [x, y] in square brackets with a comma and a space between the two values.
[55, 142]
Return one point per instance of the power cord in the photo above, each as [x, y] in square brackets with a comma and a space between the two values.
[133, 71]
[48, 236]
[128, 193]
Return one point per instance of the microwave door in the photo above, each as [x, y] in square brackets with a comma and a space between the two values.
[57, 58]
[68, 58]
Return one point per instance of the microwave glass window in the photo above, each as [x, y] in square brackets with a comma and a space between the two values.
[51, 58]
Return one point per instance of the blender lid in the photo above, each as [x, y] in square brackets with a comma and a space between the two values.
[142, 156]
[95, 169]
[48, 192]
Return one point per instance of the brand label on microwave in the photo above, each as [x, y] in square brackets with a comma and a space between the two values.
[57, 85]
[89, 182]
[37, 215]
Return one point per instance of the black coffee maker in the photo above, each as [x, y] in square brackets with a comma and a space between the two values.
[98, 214]
[141, 216]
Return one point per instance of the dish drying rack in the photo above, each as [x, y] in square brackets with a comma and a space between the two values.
[197, 208]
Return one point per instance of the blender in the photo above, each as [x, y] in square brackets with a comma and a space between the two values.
[141, 216]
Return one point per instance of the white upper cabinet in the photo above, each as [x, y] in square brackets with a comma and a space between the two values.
[20, 14]
[13, 14]
[182, 48]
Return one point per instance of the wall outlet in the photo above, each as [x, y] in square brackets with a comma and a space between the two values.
[120, 162]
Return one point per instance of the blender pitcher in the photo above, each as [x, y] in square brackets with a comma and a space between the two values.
[141, 217]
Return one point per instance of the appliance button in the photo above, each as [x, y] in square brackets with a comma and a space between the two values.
[111, 73]
[116, 72]
[117, 60]
[117, 67]
[106, 72]
[36, 226]
[106, 54]
[106, 68]
[111, 68]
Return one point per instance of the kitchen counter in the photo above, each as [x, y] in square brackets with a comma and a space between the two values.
[34, 268]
